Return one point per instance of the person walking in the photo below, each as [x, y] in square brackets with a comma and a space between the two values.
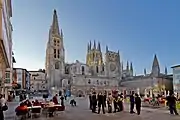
[101, 103]
[132, 100]
[171, 100]
[115, 102]
[3, 106]
[62, 100]
[138, 103]
[90, 101]
[120, 102]
[94, 102]
[104, 98]
[109, 103]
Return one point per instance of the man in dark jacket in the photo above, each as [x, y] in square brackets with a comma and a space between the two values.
[90, 101]
[104, 98]
[172, 104]
[132, 101]
[101, 103]
[138, 103]
[1, 109]
[115, 102]
[120, 101]
[94, 102]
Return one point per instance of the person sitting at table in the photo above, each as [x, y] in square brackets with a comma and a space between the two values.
[55, 100]
[36, 103]
[62, 100]
[21, 110]
[51, 103]
[51, 108]
[28, 104]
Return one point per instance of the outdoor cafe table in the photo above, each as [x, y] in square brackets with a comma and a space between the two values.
[34, 107]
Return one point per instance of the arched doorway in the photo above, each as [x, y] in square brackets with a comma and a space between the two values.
[80, 93]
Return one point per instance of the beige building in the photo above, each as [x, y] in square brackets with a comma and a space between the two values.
[6, 58]
[176, 78]
[22, 77]
[154, 82]
[37, 80]
[96, 73]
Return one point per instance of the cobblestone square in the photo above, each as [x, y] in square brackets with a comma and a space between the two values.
[81, 112]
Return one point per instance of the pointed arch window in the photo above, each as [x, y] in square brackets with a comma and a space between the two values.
[97, 69]
[54, 53]
[58, 53]
[66, 70]
[97, 82]
[89, 81]
[103, 68]
[82, 69]
[54, 42]
[57, 65]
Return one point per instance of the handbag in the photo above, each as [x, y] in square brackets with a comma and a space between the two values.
[5, 107]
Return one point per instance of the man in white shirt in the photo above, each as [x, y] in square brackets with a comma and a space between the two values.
[2, 100]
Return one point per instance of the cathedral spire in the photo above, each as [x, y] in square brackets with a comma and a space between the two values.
[127, 66]
[88, 48]
[90, 45]
[145, 71]
[94, 44]
[155, 66]
[131, 67]
[122, 67]
[62, 33]
[107, 49]
[165, 71]
[155, 61]
[55, 25]
[99, 47]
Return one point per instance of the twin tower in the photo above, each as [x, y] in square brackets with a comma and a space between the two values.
[94, 54]
[111, 67]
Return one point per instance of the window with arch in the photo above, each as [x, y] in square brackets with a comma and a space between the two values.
[66, 70]
[54, 53]
[89, 81]
[58, 54]
[97, 82]
[103, 68]
[54, 42]
[97, 69]
[57, 65]
[82, 69]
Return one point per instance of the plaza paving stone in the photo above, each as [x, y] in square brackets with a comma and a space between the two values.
[81, 112]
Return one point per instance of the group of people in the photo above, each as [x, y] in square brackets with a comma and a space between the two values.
[101, 100]
[171, 102]
[22, 109]
[135, 100]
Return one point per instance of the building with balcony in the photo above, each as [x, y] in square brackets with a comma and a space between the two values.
[22, 77]
[176, 78]
[6, 57]
[38, 80]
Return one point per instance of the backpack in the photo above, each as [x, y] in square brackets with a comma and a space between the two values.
[5, 107]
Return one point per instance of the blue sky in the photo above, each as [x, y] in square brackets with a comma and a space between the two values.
[138, 28]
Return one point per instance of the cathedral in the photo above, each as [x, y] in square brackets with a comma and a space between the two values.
[82, 77]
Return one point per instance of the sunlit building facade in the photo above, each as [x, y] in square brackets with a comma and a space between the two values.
[6, 54]
[176, 78]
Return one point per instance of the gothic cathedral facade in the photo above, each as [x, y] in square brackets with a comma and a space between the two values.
[82, 77]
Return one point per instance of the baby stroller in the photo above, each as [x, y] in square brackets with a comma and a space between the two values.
[73, 102]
